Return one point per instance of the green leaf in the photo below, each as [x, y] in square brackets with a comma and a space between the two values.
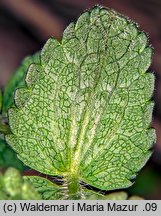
[91, 195]
[135, 198]
[47, 189]
[13, 181]
[13, 187]
[51, 191]
[120, 195]
[8, 157]
[86, 109]
[17, 81]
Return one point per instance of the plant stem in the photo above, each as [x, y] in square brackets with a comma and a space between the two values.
[73, 188]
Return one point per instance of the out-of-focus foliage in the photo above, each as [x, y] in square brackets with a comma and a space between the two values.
[13, 187]
[121, 195]
[8, 157]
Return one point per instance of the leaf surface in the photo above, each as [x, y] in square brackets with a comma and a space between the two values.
[17, 81]
[86, 109]
[47, 189]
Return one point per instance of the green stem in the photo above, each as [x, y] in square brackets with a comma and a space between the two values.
[73, 188]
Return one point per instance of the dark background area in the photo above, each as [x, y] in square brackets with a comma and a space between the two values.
[25, 25]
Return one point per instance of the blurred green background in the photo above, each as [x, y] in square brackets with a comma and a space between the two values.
[25, 25]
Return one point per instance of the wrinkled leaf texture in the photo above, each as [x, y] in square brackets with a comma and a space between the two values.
[86, 109]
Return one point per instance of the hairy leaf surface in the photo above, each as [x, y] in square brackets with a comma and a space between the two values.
[86, 109]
